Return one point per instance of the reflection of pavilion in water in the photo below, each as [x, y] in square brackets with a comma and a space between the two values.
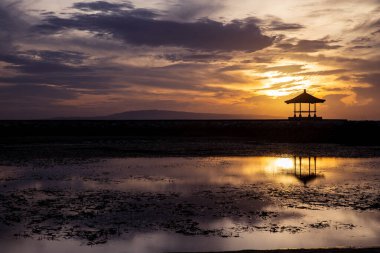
[306, 172]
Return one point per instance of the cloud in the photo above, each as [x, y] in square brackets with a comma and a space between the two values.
[317, 13]
[353, 64]
[191, 10]
[96, 52]
[274, 23]
[308, 45]
[361, 47]
[29, 63]
[278, 25]
[42, 92]
[286, 68]
[369, 93]
[139, 27]
[32, 101]
[196, 57]
[323, 72]
[102, 6]
[64, 56]
[58, 68]
[371, 78]
[361, 40]
[12, 25]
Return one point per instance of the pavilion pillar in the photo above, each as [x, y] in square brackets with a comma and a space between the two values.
[315, 109]
[315, 165]
[300, 115]
[309, 110]
[295, 109]
[309, 161]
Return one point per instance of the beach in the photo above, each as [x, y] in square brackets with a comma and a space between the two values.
[186, 194]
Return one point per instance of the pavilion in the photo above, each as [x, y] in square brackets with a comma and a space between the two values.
[305, 98]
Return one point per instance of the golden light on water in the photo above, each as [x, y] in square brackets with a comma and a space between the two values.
[284, 163]
[278, 165]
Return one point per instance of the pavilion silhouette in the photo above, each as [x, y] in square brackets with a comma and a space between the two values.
[305, 98]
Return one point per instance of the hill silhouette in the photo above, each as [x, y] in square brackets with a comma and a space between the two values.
[166, 115]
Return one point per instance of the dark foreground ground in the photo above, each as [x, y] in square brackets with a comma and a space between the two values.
[70, 144]
[325, 131]
[337, 250]
[23, 140]
[79, 148]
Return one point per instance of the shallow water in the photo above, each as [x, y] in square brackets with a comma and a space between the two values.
[189, 204]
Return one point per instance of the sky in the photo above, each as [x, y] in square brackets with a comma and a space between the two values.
[61, 58]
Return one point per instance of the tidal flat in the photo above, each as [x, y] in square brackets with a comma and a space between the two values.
[188, 203]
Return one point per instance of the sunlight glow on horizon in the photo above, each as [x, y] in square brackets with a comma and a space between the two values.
[78, 63]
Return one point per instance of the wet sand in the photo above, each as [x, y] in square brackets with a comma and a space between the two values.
[233, 200]
[185, 190]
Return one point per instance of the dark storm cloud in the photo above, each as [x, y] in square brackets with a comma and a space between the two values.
[196, 57]
[11, 25]
[260, 59]
[361, 47]
[308, 46]
[24, 101]
[102, 6]
[35, 68]
[92, 83]
[344, 78]
[95, 79]
[369, 92]
[349, 63]
[364, 42]
[365, 93]
[193, 9]
[361, 40]
[273, 23]
[58, 56]
[35, 56]
[139, 27]
[323, 72]
[26, 91]
[278, 25]
[370, 78]
[54, 63]
[374, 24]
[235, 67]
[58, 68]
[179, 76]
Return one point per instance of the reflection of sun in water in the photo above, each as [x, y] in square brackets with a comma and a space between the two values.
[283, 163]
[276, 165]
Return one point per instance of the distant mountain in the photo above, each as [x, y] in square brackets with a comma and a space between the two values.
[166, 115]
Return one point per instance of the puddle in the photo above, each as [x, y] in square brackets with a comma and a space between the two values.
[207, 203]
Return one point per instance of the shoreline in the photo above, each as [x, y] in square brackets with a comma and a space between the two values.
[262, 131]
[316, 250]
[24, 149]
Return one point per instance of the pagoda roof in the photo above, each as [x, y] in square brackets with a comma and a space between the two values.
[305, 98]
